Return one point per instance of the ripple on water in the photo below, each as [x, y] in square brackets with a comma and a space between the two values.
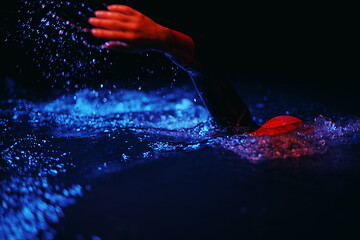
[32, 192]
[177, 119]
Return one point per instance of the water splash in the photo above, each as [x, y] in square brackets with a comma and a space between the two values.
[130, 127]
[310, 139]
[30, 155]
[179, 123]
[31, 196]
[56, 34]
[95, 112]
[29, 204]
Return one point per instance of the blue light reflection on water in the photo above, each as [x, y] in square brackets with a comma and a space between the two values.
[43, 141]
[33, 167]
[31, 195]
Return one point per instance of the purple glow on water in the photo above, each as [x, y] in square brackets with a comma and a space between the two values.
[299, 143]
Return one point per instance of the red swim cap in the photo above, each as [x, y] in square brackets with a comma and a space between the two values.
[277, 125]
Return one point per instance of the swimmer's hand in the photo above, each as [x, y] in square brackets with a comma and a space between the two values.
[126, 29]
[129, 30]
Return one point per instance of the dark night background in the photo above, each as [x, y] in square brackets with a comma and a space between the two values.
[307, 46]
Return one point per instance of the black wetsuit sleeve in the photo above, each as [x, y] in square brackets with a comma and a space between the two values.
[219, 96]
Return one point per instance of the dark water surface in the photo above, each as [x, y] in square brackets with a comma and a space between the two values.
[139, 165]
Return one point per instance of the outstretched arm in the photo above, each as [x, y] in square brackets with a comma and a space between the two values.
[129, 30]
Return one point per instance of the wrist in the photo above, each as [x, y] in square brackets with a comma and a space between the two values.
[166, 41]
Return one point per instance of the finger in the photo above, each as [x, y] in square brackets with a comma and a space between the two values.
[111, 34]
[109, 24]
[121, 8]
[112, 15]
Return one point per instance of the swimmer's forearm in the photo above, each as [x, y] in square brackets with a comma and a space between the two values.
[129, 30]
[180, 48]
[217, 94]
